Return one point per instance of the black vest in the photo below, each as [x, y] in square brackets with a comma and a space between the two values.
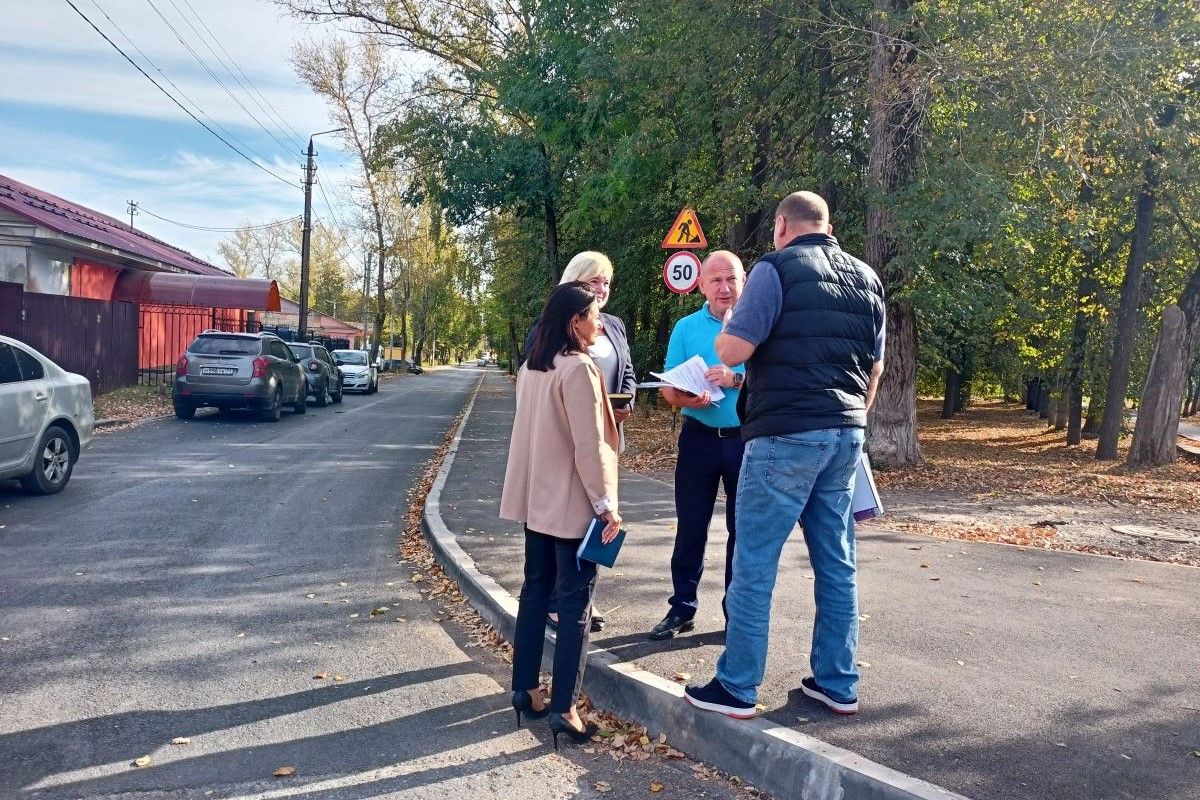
[812, 371]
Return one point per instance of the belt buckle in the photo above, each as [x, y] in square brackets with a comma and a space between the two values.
[721, 434]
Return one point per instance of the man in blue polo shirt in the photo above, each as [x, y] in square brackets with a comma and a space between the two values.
[710, 442]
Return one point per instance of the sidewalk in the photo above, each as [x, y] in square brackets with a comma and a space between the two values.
[996, 672]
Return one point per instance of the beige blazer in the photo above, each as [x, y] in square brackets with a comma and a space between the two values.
[563, 453]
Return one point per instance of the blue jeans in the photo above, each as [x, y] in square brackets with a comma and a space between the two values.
[807, 476]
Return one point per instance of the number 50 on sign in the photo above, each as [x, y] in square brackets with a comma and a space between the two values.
[681, 273]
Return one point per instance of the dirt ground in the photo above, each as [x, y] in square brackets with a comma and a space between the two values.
[998, 473]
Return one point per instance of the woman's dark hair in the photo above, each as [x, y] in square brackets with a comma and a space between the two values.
[555, 335]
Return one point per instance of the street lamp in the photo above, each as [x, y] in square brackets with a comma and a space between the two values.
[309, 173]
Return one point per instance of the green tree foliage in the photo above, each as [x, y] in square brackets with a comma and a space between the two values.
[1023, 138]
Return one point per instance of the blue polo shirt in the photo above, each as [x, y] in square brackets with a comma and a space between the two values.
[696, 335]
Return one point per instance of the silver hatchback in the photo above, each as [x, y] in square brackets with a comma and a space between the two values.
[239, 370]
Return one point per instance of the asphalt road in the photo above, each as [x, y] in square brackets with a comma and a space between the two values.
[195, 577]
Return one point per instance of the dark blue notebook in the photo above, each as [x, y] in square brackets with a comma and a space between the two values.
[594, 550]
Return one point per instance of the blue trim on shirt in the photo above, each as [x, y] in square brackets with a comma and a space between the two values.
[696, 335]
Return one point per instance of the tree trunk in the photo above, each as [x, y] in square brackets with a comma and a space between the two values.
[892, 421]
[1060, 408]
[1131, 292]
[894, 117]
[1124, 332]
[950, 399]
[1156, 433]
[550, 214]
[1044, 402]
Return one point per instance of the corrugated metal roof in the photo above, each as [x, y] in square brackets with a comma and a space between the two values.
[213, 291]
[75, 220]
[327, 324]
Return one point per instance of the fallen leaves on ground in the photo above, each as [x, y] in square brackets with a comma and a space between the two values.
[992, 451]
[143, 761]
[179, 740]
[133, 404]
[284, 772]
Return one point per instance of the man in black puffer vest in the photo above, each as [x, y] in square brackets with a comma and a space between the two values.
[810, 328]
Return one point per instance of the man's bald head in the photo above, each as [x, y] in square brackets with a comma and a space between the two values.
[721, 279]
[800, 213]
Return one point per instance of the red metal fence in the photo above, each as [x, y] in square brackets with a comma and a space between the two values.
[94, 338]
[165, 331]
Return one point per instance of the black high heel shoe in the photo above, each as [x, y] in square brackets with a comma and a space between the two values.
[523, 704]
[559, 725]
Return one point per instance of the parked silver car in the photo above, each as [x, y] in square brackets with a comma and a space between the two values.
[358, 374]
[239, 370]
[46, 418]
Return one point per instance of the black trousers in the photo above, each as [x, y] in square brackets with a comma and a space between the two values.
[705, 461]
[550, 568]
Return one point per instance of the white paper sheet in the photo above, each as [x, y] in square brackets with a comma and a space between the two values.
[865, 504]
[689, 376]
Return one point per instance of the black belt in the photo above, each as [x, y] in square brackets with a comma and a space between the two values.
[720, 433]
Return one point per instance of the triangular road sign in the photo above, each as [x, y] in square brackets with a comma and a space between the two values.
[686, 233]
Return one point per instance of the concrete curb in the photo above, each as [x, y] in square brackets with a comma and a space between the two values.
[775, 759]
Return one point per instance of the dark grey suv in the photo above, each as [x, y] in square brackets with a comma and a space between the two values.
[324, 378]
[239, 370]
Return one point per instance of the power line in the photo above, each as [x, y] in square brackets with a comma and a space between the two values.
[288, 221]
[171, 97]
[269, 108]
[174, 85]
[204, 65]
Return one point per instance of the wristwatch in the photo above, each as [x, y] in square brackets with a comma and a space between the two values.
[738, 380]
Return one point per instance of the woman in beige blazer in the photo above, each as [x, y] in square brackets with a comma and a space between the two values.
[562, 473]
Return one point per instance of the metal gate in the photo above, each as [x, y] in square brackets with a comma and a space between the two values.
[165, 331]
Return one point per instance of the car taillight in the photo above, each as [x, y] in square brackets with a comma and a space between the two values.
[181, 366]
[260, 367]
[314, 366]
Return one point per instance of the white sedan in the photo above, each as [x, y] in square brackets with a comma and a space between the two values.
[46, 418]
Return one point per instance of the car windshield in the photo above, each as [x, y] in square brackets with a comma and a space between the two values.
[301, 350]
[351, 357]
[225, 345]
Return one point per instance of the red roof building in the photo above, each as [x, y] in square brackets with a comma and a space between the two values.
[51, 247]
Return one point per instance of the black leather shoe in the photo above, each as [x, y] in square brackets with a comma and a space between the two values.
[559, 725]
[670, 625]
[522, 703]
[597, 624]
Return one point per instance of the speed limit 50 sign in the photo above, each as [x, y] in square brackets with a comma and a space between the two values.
[681, 273]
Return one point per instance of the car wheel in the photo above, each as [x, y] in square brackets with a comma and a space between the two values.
[55, 459]
[322, 395]
[337, 398]
[272, 412]
[301, 405]
[184, 410]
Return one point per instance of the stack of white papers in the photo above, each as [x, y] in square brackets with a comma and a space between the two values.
[865, 504]
[688, 377]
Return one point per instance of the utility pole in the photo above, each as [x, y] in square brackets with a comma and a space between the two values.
[132, 209]
[310, 171]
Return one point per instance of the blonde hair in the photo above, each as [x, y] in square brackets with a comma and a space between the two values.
[587, 265]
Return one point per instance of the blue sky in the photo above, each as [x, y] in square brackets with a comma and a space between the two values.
[78, 121]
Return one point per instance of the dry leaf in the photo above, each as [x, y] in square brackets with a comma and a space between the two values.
[656, 787]
[320, 676]
[284, 772]
[381, 610]
[338, 678]
[644, 740]
[181, 740]
[682, 677]
[144, 761]
[602, 786]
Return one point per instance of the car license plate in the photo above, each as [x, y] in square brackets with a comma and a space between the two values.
[218, 371]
